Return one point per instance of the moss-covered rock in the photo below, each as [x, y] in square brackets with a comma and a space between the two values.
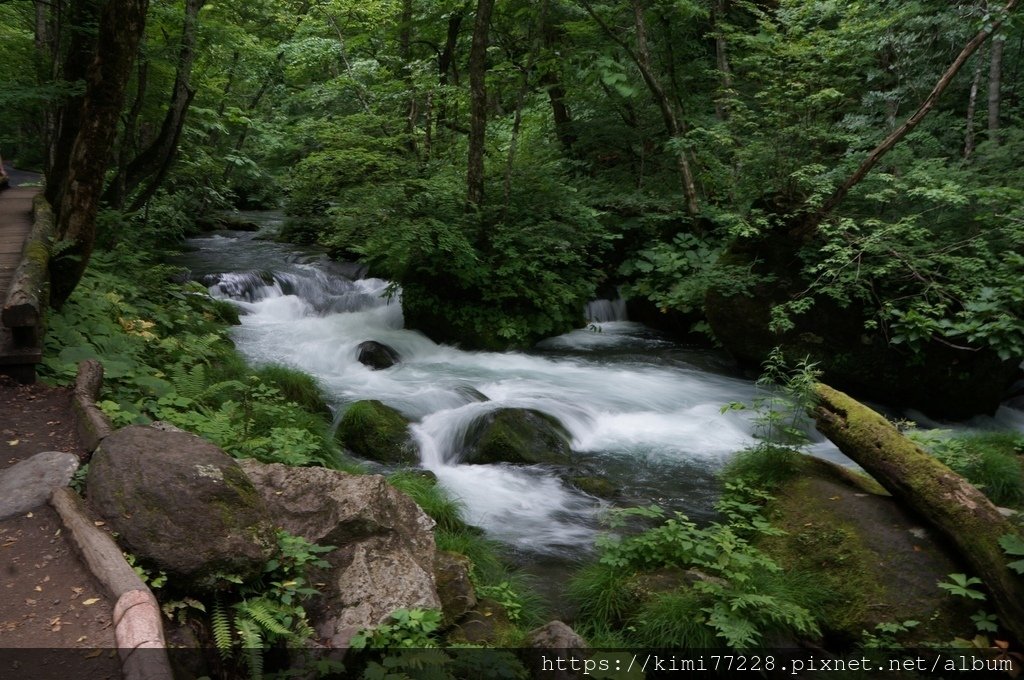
[516, 435]
[378, 432]
[871, 561]
[181, 504]
[595, 486]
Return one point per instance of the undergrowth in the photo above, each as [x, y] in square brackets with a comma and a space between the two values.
[167, 356]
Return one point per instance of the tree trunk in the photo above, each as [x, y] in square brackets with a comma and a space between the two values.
[995, 73]
[478, 104]
[152, 164]
[67, 122]
[120, 29]
[954, 507]
[972, 102]
[722, 61]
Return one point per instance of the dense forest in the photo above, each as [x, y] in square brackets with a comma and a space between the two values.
[830, 182]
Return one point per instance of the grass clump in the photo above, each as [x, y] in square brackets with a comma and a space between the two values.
[991, 461]
[296, 386]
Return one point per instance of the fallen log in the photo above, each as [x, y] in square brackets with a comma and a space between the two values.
[947, 501]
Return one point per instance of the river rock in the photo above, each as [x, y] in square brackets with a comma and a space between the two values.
[376, 355]
[378, 432]
[555, 635]
[517, 435]
[180, 503]
[454, 587]
[384, 553]
[28, 484]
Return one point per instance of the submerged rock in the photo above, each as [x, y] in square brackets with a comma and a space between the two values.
[376, 355]
[378, 432]
[180, 503]
[384, 554]
[517, 435]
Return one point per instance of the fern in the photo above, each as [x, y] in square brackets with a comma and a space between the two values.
[221, 625]
[252, 644]
[265, 613]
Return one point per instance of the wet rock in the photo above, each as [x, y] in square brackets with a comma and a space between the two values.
[516, 435]
[376, 355]
[555, 635]
[484, 624]
[384, 553]
[595, 486]
[377, 432]
[180, 503]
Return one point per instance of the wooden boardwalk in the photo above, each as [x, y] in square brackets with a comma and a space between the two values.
[15, 224]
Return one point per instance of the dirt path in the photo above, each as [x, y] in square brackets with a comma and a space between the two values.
[48, 598]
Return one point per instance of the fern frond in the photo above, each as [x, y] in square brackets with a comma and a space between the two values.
[252, 644]
[221, 624]
[264, 613]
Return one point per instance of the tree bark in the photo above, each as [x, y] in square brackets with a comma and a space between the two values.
[478, 104]
[152, 164]
[995, 73]
[120, 29]
[722, 61]
[954, 507]
[972, 102]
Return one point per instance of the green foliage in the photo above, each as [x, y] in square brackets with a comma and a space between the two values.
[781, 422]
[962, 586]
[432, 499]
[166, 356]
[411, 628]
[990, 461]
[1013, 546]
[247, 618]
[885, 635]
[738, 594]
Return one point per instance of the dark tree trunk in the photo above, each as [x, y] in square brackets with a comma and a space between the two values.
[152, 164]
[553, 86]
[995, 76]
[478, 104]
[972, 102]
[82, 15]
[121, 25]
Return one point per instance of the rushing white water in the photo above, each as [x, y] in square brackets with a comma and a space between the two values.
[640, 409]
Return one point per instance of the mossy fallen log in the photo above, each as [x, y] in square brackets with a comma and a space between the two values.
[28, 294]
[951, 504]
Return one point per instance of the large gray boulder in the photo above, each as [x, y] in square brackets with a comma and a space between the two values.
[180, 503]
[28, 484]
[517, 435]
[384, 552]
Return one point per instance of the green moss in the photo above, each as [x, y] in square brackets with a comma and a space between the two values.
[524, 436]
[818, 543]
[378, 432]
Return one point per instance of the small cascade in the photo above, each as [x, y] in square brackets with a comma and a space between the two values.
[605, 311]
[323, 292]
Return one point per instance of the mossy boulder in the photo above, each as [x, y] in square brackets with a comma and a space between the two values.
[180, 504]
[378, 432]
[517, 435]
[873, 561]
[595, 486]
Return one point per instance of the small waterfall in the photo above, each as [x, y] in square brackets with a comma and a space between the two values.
[604, 311]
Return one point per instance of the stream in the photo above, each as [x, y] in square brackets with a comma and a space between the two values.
[643, 411]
